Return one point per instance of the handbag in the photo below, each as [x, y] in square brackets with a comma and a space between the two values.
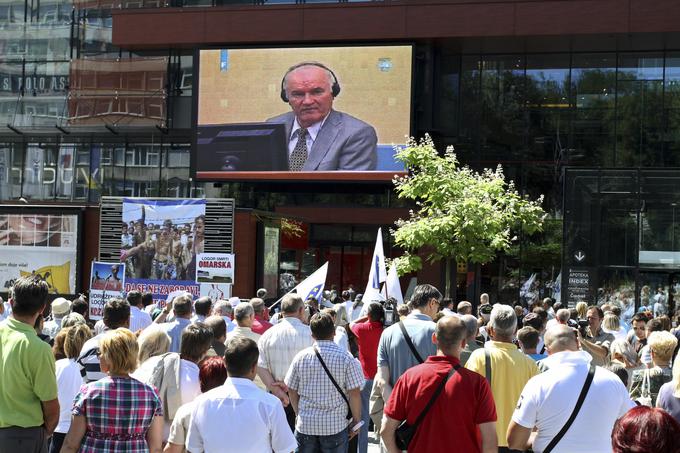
[330, 376]
[574, 413]
[646, 397]
[405, 432]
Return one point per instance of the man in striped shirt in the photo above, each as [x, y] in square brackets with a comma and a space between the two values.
[116, 314]
[278, 347]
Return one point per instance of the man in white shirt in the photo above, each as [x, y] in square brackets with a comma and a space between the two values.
[60, 308]
[244, 315]
[278, 347]
[202, 309]
[139, 319]
[548, 400]
[257, 421]
[224, 309]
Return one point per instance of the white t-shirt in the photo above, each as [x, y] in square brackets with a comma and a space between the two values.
[69, 382]
[139, 319]
[256, 421]
[549, 398]
[341, 338]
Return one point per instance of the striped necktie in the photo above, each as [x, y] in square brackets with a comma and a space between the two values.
[298, 157]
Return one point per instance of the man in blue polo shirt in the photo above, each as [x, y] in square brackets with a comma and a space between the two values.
[395, 355]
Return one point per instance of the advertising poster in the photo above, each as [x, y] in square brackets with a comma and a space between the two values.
[39, 244]
[160, 243]
[107, 281]
[215, 268]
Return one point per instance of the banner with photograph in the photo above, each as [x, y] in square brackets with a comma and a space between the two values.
[44, 245]
[107, 281]
[160, 242]
[215, 268]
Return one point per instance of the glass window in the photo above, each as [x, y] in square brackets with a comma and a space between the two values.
[175, 181]
[503, 120]
[11, 156]
[641, 66]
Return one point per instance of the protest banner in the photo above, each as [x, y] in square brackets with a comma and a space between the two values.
[215, 268]
[106, 282]
[160, 242]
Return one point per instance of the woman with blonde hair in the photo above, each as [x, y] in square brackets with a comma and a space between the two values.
[611, 324]
[669, 394]
[153, 343]
[117, 413]
[69, 379]
[582, 310]
[647, 383]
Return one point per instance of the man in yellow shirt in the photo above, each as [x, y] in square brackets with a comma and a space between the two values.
[509, 368]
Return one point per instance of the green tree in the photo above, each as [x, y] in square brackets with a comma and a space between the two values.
[460, 215]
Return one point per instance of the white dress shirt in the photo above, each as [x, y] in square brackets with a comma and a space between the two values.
[312, 132]
[256, 421]
[139, 319]
[279, 345]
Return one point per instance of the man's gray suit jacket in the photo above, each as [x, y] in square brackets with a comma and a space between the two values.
[343, 143]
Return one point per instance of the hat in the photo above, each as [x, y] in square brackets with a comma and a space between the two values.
[60, 306]
[234, 301]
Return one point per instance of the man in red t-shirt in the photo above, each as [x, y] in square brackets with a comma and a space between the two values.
[261, 322]
[463, 418]
[368, 330]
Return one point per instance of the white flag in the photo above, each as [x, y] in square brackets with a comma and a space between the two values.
[377, 274]
[392, 287]
[312, 286]
[557, 288]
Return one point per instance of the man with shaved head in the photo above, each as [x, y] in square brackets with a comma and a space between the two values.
[464, 407]
[548, 400]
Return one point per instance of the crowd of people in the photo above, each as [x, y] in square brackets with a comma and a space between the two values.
[431, 376]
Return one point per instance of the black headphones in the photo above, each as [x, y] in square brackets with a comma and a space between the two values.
[335, 88]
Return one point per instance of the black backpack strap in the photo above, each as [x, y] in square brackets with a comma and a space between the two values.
[434, 397]
[572, 417]
[328, 372]
[410, 343]
[487, 365]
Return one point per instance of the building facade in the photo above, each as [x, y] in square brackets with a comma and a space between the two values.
[576, 100]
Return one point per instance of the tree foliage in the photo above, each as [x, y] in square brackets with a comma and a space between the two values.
[460, 214]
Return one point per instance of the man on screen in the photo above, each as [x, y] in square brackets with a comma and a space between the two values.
[320, 138]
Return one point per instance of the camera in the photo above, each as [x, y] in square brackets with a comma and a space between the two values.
[390, 307]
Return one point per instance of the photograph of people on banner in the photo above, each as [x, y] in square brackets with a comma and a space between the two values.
[160, 240]
[106, 282]
[39, 244]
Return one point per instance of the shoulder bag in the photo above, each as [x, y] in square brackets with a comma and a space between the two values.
[487, 365]
[410, 343]
[577, 408]
[330, 376]
[405, 432]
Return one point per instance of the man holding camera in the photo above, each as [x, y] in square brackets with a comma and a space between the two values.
[593, 339]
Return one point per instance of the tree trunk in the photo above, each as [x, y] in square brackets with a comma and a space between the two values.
[447, 286]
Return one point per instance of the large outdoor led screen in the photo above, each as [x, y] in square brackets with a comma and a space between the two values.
[351, 105]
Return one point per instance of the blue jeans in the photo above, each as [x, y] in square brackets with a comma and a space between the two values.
[365, 397]
[335, 443]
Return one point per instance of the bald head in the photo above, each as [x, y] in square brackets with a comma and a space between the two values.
[449, 335]
[560, 338]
